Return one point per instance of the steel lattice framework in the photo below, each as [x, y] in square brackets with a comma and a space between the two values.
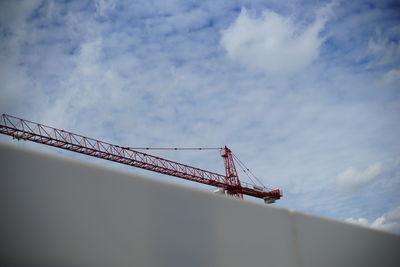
[26, 130]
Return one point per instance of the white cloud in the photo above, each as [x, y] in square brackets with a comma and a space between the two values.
[390, 221]
[273, 43]
[352, 178]
[359, 221]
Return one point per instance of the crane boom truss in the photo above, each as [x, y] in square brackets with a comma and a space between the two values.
[39, 133]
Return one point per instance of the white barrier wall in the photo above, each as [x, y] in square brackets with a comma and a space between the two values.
[58, 212]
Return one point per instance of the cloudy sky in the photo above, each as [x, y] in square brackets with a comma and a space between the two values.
[306, 93]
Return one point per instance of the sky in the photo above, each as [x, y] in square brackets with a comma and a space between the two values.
[305, 93]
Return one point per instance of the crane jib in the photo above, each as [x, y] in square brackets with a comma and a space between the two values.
[26, 130]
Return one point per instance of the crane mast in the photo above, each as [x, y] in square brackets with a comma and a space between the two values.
[26, 130]
[231, 177]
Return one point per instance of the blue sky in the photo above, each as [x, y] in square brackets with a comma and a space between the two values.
[306, 93]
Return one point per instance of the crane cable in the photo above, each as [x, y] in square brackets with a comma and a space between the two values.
[176, 148]
[244, 168]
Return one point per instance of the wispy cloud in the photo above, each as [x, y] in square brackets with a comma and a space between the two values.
[384, 47]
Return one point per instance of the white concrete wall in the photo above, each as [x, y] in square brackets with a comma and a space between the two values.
[57, 212]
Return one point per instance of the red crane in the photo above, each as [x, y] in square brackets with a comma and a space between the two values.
[229, 183]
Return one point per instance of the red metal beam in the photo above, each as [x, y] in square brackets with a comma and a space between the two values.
[35, 132]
